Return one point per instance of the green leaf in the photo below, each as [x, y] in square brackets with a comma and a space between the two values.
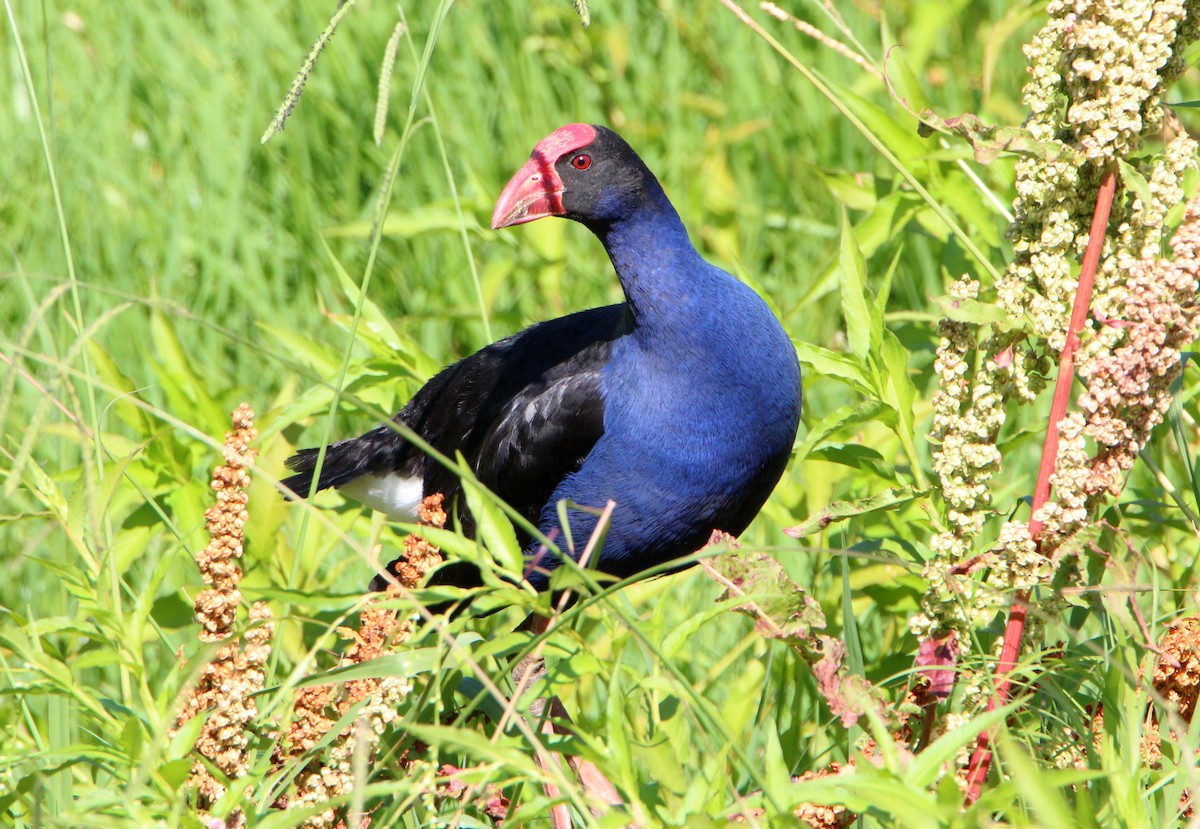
[372, 317]
[176, 372]
[318, 357]
[989, 141]
[616, 732]
[477, 746]
[926, 767]
[405, 663]
[894, 131]
[682, 633]
[1135, 181]
[856, 299]
[882, 794]
[775, 769]
[838, 366]
[186, 735]
[176, 772]
[900, 392]
[977, 313]
[764, 592]
[492, 526]
[855, 456]
[900, 73]
[879, 310]
[841, 510]
[887, 219]
[1039, 787]
[111, 374]
[843, 417]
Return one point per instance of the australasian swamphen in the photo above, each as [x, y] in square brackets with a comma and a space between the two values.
[680, 404]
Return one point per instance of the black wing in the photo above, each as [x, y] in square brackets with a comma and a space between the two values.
[524, 412]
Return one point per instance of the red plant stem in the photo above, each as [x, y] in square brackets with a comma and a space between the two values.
[981, 758]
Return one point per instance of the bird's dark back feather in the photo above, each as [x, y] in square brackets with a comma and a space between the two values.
[523, 411]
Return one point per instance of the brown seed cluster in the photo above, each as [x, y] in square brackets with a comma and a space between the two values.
[1129, 386]
[317, 708]
[229, 683]
[216, 607]
[419, 555]
[1177, 674]
[816, 816]
[823, 817]
[1177, 683]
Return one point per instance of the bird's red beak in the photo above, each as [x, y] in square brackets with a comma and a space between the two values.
[536, 190]
[533, 193]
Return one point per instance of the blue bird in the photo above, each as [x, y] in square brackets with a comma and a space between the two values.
[680, 404]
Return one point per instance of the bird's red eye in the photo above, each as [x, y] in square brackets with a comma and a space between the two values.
[581, 161]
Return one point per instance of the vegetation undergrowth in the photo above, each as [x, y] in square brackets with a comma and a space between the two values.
[961, 559]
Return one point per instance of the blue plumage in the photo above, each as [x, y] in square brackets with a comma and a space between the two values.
[681, 404]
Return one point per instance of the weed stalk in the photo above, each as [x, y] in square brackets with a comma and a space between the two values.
[981, 758]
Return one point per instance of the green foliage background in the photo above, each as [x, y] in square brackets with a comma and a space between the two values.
[160, 266]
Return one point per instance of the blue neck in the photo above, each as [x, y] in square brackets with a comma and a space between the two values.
[659, 268]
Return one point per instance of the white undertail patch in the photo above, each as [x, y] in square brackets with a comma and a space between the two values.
[394, 495]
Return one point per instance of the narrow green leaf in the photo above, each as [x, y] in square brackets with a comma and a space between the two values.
[854, 654]
[405, 663]
[838, 366]
[856, 299]
[900, 392]
[977, 313]
[841, 510]
[855, 456]
[476, 745]
[879, 310]
[372, 317]
[1135, 181]
[843, 417]
[926, 767]
[176, 373]
[616, 730]
[1036, 784]
[492, 526]
[302, 347]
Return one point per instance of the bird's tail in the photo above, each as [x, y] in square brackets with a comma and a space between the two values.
[379, 450]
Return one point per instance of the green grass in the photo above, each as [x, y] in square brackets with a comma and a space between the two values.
[190, 267]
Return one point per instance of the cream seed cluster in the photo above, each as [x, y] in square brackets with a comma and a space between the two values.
[1098, 73]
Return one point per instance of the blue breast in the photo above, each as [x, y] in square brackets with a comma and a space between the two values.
[702, 402]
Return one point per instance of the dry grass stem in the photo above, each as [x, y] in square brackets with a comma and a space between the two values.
[825, 40]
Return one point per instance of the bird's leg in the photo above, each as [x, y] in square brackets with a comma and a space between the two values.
[530, 669]
[556, 720]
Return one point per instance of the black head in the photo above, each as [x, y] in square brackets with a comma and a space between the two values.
[582, 172]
